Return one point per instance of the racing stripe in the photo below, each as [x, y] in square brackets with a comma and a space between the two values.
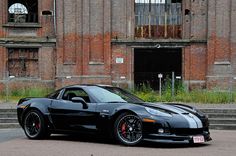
[192, 123]
[198, 121]
[193, 120]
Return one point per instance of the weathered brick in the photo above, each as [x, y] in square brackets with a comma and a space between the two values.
[86, 42]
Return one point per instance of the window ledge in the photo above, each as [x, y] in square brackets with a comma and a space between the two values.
[22, 25]
[222, 63]
[96, 63]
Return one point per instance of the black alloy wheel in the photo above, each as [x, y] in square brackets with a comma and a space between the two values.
[34, 125]
[128, 129]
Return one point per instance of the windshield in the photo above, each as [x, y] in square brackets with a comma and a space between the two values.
[113, 94]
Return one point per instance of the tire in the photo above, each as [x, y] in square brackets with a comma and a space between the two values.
[34, 125]
[128, 129]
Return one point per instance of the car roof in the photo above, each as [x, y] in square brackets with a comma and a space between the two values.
[87, 85]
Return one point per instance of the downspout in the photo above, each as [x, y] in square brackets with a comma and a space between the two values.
[54, 18]
[55, 48]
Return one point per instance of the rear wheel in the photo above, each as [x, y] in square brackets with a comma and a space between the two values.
[34, 125]
[128, 129]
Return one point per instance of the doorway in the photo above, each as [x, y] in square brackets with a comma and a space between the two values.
[148, 63]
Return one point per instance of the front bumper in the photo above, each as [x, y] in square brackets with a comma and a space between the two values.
[175, 129]
[172, 138]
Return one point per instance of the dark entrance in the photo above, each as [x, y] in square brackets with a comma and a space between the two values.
[148, 63]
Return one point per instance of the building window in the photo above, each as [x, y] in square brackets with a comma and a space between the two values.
[23, 11]
[23, 62]
[158, 18]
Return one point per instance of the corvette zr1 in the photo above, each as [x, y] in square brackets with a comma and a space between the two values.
[112, 111]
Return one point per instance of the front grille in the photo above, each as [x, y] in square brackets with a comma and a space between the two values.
[187, 131]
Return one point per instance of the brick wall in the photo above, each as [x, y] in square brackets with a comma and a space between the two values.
[194, 65]
[83, 35]
[87, 46]
[220, 60]
[39, 35]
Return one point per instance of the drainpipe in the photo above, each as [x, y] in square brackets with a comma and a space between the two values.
[55, 33]
[54, 17]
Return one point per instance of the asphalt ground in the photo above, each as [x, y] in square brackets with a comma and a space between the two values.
[14, 143]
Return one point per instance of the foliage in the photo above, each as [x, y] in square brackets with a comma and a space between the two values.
[183, 95]
[146, 93]
[16, 94]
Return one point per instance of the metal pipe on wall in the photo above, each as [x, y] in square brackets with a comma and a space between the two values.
[54, 18]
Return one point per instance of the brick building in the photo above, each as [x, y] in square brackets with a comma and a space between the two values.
[58, 42]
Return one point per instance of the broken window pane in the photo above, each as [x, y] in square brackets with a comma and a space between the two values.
[23, 62]
[23, 11]
[158, 18]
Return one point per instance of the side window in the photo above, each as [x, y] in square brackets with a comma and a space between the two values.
[70, 93]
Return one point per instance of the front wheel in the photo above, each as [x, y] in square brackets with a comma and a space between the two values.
[128, 129]
[34, 125]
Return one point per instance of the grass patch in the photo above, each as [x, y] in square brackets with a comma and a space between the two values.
[144, 92]
[182, 95]
[15, 95]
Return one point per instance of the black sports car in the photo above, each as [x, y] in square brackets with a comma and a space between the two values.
[112, 111]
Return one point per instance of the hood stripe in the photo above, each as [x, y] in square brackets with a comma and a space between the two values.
[193, 121]
[198, 121]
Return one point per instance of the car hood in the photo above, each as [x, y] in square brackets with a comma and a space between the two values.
[174, 108]
[183, 116]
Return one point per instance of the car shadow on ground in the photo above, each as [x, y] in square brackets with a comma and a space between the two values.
[172, 145]
[104, 140]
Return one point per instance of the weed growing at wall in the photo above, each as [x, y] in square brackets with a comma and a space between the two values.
[182, 95]
[16, 94]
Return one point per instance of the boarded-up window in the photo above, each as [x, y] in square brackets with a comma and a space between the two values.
[23, 62]
[158, 18]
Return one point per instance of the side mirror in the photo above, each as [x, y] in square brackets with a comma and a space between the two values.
[80, 100]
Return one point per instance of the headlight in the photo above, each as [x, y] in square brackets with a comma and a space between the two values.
[157, 112]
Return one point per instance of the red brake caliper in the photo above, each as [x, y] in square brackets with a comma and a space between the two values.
[37, 125]
[123, 129]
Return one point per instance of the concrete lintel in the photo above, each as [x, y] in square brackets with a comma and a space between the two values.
[146, 41]
[85, 76]
[219, 76]
[23, 45]
[14, 40]
[96, 63]
[69, 64]
[159, 46]
[121, 81]
[160, 43]
[222, 63]
[22, 25]
[157, 41]
[28, 80]
[195, 81]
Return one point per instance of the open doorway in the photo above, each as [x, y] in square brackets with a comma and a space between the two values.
[148, 63]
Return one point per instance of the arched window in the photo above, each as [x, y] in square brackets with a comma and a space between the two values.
[23, 11]
[17, 8]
